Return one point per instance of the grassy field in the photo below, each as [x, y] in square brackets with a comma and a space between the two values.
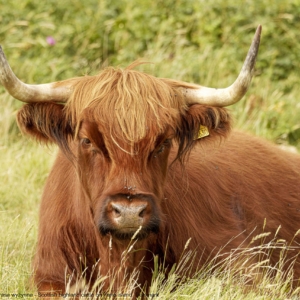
[196, 41]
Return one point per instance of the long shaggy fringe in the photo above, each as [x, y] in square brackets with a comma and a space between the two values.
[130, 103]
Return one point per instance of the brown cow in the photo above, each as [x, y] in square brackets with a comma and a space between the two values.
[131, 171]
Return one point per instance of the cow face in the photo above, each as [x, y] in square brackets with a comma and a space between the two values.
[120, 141]
[125, 187]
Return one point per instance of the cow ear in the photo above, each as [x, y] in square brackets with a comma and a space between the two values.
[46, 122]
[201, 123]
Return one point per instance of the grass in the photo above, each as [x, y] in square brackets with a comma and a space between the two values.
[234, 276]
[196, 41]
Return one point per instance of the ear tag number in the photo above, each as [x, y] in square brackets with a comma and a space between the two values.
[203, 132]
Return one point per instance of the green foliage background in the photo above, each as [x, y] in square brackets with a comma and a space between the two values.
[193, 40]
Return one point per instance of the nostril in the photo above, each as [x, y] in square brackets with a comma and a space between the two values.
[141, 214]
[116, 210]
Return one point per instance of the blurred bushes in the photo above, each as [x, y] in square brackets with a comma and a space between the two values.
[95, 32]
[198, 41]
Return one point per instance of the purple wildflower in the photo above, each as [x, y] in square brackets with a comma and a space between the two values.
[50, 41]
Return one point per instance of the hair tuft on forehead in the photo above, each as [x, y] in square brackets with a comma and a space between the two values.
[130, 103]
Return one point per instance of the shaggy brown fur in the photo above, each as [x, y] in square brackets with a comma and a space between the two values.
[119, 134]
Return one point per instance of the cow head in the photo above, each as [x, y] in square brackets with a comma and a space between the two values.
[119, 128]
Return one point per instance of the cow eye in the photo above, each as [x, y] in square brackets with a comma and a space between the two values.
[161, 149]
[164, 145]
[86, 142]
[168, 142]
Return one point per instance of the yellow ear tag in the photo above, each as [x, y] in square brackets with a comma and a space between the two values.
[203, 132]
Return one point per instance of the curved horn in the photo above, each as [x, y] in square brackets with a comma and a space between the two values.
[233, 93]
[30, 92]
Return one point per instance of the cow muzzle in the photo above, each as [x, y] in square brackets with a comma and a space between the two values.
[128, 216]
